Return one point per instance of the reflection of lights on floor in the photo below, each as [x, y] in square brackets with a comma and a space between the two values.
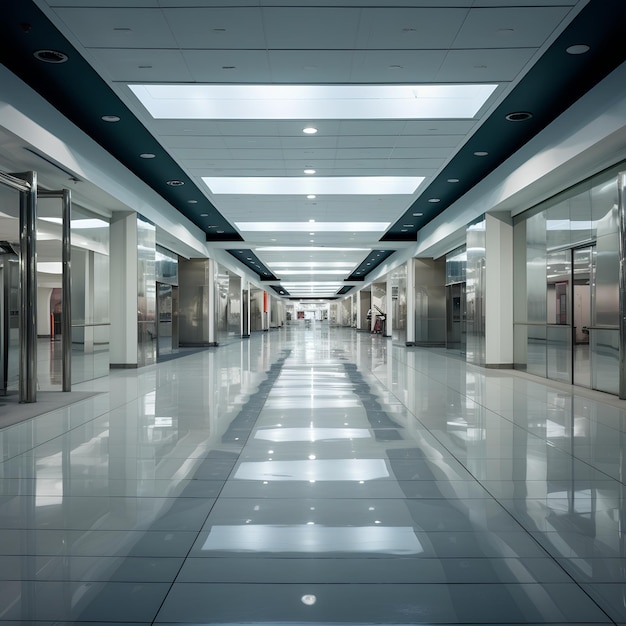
[309, 599]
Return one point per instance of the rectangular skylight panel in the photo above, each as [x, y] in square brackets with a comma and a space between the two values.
[314, 102]
[308, 249]
[318, 227]
[314, 272]
[309, 185]
[310, 264]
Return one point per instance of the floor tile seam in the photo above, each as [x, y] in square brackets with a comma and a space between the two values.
[65, 432]
[271, 375]
[576, 392]
[544, 548]
[510, 421]
[523, 529]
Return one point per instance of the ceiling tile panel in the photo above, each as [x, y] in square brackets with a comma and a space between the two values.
[310, 66]
[304, 143]
[410, 28]
[118, 28]
[523, 27]
[493, 65]
[135, 65]
[429, 141]
[217, 28]
[396, 66]
[307, 28]
[438, 127]
[419, 153]
[228, 66]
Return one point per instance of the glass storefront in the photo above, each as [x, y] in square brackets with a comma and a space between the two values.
[566, 286]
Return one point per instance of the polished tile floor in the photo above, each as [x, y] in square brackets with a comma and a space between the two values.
[316, 475]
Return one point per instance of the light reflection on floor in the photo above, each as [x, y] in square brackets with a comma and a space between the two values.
[316, 475]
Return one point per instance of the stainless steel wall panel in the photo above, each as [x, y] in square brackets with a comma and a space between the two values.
[559, 353]
[146, 292]
[607, 260]
[221, 301]
[164, 317]
[430, 301]
[476, 240]
[399, 303]
[536, 269]
[605, 346]
[193, 292]
[234, 306]
[166, 266]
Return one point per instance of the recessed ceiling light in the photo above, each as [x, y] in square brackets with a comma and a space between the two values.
[519, 116]
[297, 102]
[147, 155]
[402, 231]
[577, 49]
[220, 232]
[417, 214]
[192, 202]
[204, 215]
[453, 180]
[175, 183]
[309, 171]
[481, 153]
[311, 196]
[110, 118]
[405, 226]
[309, 130]
[50, 56]
[329, 185]
[434, 200]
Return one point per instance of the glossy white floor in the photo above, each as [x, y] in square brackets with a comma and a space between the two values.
[316, 476]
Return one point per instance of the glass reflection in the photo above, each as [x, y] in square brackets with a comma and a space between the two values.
[329, 470]
[313, 538]
[311, 434]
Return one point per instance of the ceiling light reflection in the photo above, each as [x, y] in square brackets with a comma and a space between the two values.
[311, 434]
[313, 538]
[327, 470]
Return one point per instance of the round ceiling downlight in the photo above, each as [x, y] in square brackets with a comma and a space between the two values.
[519, 116]
[175, 183]
[50, 56]
[577, 49]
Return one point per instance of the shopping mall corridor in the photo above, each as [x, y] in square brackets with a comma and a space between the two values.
[316, 475]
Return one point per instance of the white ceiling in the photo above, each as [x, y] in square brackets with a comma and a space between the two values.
[277, 41]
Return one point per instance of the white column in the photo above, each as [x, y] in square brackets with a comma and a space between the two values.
[123, 291]
[498, 292]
